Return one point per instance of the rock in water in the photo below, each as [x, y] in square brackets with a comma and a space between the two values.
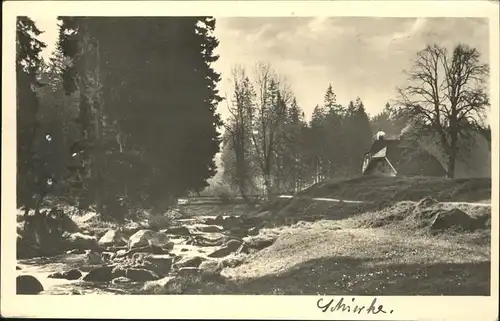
[112, 237]
[100, 274]
[232, 223]
[219, 219]
[208, 228]
[82, 241]
[141, 275]
[28, 284]
[177, 230]
[230, 247]
[118, 271]
[149, 238]
[72, 274]
[93, 257]
[160, 264]
[193, 261]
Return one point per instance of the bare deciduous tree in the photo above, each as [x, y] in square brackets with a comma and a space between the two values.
[239, 126]
[273, 95]
[447, 96]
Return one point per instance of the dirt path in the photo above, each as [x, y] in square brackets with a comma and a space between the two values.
[324, 199]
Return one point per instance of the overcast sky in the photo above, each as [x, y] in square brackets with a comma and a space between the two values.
[362, 57]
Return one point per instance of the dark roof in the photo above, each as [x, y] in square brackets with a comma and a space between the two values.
[393, 146]
[397, 154]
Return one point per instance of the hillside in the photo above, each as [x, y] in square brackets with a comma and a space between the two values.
[376, 193]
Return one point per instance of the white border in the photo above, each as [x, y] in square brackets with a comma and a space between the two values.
[223, 307]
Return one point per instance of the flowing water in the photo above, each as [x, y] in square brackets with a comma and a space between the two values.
[42, 267]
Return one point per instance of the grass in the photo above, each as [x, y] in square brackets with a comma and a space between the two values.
[319, 259]
[381, 249]
[409, 215]
[375, 188]
[378, 192]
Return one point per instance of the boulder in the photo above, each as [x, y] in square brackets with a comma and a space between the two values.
[28, 284]
[257, 243]
[93, 258]
[118, 271]
[160, 264]
[189, 261]
[112, 238]
[141, 275]
[100, 274]
[210, 267]
[152, 286]
[81, 241]
[177, 230]
[212, 239]
[209, 221]
[25, 249]
[230, 247]
[232, 223]
[72, 274]
[483, 222]
[454, 218]
[149, 238]
[238, 231]
[219, 219]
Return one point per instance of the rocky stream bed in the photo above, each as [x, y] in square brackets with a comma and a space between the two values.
[135, 260]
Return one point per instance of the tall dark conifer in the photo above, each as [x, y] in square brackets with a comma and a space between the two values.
[31, 178]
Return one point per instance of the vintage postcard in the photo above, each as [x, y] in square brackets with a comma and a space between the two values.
[332, 160]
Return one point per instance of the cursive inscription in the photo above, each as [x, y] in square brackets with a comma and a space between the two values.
[342, 306]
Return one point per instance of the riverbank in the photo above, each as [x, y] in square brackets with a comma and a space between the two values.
[404, 247]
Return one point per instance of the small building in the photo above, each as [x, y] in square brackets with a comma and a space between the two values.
[391, 157]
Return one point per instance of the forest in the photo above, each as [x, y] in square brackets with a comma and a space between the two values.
[116, 121]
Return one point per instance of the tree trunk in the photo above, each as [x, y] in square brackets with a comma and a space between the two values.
[450, 170]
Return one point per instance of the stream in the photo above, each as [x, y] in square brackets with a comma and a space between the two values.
[42, 267]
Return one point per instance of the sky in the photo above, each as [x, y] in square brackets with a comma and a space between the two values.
[359, 56]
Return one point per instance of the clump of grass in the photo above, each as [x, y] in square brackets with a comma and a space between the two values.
[193, 284]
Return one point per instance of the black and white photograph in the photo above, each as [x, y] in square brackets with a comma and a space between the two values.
[332, 156]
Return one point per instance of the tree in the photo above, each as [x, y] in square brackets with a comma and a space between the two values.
[447, 96]
[267, 116]
[358, 136]
[238, 127]
[147, 137]
[294, 158]
[32, 179]
[316, 139]
[56, 117]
